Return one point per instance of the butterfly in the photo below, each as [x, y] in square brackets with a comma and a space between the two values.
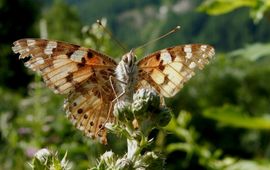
[88, 77]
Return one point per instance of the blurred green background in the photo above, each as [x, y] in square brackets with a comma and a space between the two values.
[221, 116]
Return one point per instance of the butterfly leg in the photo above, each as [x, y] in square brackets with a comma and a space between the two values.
[110, 111]
[111, 82]
[112, 102]
[116, 96]
[110, 78]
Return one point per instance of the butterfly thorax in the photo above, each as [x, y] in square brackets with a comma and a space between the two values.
[126, 74]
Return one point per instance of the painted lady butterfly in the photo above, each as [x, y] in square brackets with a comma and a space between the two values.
[88, 76]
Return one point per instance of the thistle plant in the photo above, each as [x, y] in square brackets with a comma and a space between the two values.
[46, 160]
[135, 121]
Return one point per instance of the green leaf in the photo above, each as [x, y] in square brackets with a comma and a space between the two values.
[234, 116]
[253, 52]
[248, 165]
[217, 7]
[261, 8]
[179, 147]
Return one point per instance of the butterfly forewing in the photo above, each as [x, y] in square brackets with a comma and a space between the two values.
[81, 72]
[63, 66]
[167, 70]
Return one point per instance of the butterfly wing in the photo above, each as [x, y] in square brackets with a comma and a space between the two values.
[88, 108]
[80, 72]
[167, 70]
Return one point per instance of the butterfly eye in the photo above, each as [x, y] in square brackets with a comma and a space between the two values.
[125, 59]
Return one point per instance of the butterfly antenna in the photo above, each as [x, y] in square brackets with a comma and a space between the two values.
[160, 37]
[112, 37]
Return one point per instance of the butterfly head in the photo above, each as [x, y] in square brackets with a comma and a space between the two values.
[129, 60]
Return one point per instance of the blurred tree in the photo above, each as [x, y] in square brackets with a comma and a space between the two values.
[63, 22]
[16, 21]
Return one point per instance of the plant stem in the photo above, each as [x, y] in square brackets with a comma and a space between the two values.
[132, 148]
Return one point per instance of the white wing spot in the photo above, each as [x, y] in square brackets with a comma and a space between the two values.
[203, 47]
[78, 55]
[30, 42]
[211, 53]
[192, 65]
[39, 60]
[188, 55]
[188, 49]
[189, 76]
[50, 46]
[17, 47]
[165, 57]
[200, 61]
[27, 64]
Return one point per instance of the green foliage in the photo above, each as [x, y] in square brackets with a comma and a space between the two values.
[253, 52]
[217, 7]
[96, 37]
[234, 116]
[208, 157]
[62, 22]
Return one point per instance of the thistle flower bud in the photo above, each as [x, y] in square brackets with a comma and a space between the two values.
[43, 155]
[107, 158]
[44, 159]
[135, 121]
[145, 99]
[122, 111]
[164, 116]
[124, 163]
[150, 160]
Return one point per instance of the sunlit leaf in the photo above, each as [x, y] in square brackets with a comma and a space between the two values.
[253, 52]
[217, 7]
[248, 165]
[234, 116]
[179, 146]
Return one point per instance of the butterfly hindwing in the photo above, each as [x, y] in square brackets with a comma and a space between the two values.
[167, 70]
[88, 109]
